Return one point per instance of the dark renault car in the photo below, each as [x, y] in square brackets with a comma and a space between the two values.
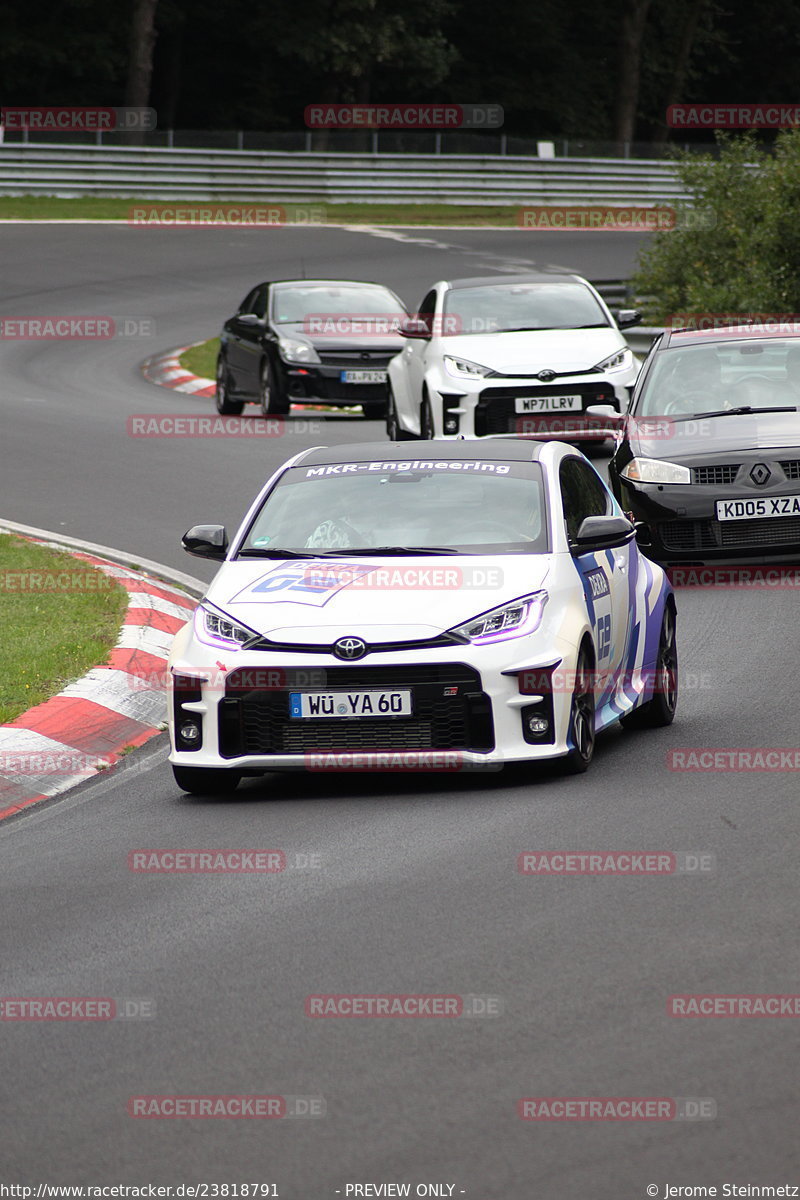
[309, 341]
[709, 453]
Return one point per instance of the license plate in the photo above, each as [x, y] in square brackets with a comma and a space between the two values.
[350, 704]
[765, 506]
[533, 404]
[362, 377]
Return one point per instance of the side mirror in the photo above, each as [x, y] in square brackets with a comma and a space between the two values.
[250, 319]
[206, 541]
[644, 534]
[627, 317]
[606, 417]
[602, 533]
[414, 327]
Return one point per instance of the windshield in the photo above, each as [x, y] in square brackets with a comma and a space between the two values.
[695, 380]
[503, 307]
[291, 305]
[465, 505]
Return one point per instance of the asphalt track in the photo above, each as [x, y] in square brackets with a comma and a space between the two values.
[416, 889]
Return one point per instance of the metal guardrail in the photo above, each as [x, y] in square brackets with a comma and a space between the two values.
[231, 175]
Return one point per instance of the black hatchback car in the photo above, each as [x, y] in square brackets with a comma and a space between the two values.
[309, 341]
[708, 457]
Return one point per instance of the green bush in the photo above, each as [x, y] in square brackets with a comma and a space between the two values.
[739, 251]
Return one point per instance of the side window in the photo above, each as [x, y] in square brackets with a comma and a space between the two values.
[427, 308]
[260, 301]
[247, 304]
[582, 494]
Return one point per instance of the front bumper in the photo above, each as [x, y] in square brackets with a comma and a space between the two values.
[469, 711]
[324, 385]
[487, 406]
[683, 526]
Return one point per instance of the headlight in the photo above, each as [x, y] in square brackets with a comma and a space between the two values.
[655, 470]
[462, 368]
[294, 351]
[620, 360]
[215, 629]
[512, 620]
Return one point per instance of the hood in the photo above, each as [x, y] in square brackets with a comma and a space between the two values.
[355, 336]
[560, 350]
[676, 439]
[379, 599]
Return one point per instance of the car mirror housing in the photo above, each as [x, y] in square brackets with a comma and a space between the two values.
[627, 317]
[250, 319]
[602, 533]
[206, 541]
[414, 327]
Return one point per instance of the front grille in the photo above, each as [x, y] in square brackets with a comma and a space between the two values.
[770, 531]
[356, 358]
[791, 468]
[688, 535]
[715, 535]
[495, 411]
[258, 722]
[724, 473]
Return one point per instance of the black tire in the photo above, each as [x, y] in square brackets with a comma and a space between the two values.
[393, 429]
[426, 429]
[660, 710]
[270, 397]
[225, 406]
[206, 781]
[581, 717]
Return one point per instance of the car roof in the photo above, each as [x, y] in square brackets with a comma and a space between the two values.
[324, 283]
[510, 280]
[675, 338]
[494, 449]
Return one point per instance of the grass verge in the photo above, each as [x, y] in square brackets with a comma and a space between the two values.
[118, 208]
[202, 359]
[59, 616]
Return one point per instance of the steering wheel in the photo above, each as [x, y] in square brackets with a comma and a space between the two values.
[337, 534]
[684, 405]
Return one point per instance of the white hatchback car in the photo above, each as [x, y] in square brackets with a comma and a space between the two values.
[523, 354]
[470, 604]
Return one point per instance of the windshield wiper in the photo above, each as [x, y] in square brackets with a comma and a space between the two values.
[741, 411]
[385, 551]
[255, 553]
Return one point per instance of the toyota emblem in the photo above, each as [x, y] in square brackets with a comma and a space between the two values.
[350, 648]
[546, 375]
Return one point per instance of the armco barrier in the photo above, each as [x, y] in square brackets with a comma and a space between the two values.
[174, 174]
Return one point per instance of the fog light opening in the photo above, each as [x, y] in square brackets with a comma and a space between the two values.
[190, 732]
[538, 726]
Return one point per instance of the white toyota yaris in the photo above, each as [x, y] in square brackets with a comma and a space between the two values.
[526, 354]
[472, 603]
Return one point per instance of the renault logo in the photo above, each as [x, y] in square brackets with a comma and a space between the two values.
[546, 375]
[350, 648]
[760, 473]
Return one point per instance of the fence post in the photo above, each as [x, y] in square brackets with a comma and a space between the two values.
[374, 149]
